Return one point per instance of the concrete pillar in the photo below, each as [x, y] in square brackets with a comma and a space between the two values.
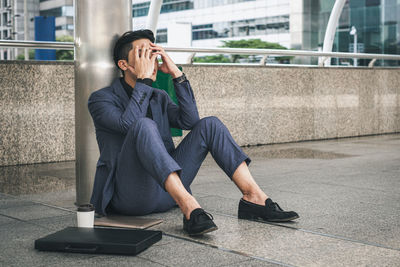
[98, 23]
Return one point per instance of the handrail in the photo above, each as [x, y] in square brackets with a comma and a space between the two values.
[281, 52]
[36, 44]
[194, 50]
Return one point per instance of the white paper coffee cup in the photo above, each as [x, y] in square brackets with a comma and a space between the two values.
[85, 215]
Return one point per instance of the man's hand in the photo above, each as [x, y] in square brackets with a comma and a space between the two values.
[144, 62]
[168, 66]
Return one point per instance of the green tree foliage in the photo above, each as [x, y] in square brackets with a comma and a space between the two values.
[65, 54]
[31, 53]
[212, 59]
[249, 43]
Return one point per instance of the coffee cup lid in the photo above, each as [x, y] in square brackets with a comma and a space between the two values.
[86, 207]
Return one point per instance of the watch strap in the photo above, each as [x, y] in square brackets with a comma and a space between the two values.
[180, 79]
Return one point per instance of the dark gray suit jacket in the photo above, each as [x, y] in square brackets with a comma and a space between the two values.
[113, 114]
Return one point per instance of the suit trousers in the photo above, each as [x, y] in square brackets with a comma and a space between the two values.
[144, 163]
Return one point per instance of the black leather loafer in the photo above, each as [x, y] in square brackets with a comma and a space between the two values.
[271, 212]
[200, 222]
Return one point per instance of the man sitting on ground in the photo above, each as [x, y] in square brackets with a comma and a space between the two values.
[139, 170]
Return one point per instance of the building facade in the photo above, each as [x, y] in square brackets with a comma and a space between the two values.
[216, 20]
[376, 23]
[12, 24]
[12, 21]
[294, 24]
[63, 11]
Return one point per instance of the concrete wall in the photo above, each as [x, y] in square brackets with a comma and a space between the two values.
[36, 112]
[259, 105]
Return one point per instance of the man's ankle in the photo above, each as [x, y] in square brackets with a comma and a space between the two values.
[188, 205]
[255, 198]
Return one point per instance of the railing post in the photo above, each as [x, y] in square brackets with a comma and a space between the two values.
[190, 58]
[371, 63]
[97, 26]
[263, 61]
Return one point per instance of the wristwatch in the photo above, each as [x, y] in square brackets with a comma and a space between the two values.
[181, 78]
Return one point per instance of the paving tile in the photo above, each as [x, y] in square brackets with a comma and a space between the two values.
[6, 220]
[33, 211]
[18, 250]
[110, 260]
[185, 253]
[65, 199]
[168, 252]
[227, 189]
[253, 263]
[285, 245]
[37, 178]
[346, 192]
[339, 217]
[56, 223]
[11, 202]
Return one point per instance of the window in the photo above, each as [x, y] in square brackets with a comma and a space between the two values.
[5, 19]
[65, 11]
[161, 36]
[204, 26]
[258, 26]
[142, 9]
[54, 12]
[68, 27]
[68, 11]
[372, 2]
[211, 3]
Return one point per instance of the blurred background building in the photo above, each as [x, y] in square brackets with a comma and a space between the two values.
[63, 11]
[293, 24]
[12, 24]
[376, 23]
[296, 24]
[12, 21]
[216, 20]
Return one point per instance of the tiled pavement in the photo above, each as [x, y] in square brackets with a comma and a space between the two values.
[346, 191]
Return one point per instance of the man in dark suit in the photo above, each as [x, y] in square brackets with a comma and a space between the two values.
[139, 170]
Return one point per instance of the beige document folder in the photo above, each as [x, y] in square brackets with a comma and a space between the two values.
[126, 221]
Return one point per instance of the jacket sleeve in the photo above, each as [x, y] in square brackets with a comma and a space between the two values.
[184, 116]
[106, 113]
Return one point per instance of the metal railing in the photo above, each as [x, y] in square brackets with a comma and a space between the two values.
[239, 51]
[36, 44]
